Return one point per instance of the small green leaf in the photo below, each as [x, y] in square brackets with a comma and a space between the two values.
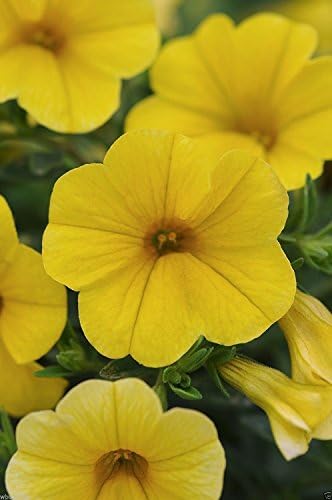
[214, 374]
[53, 372]
[197, 359]
[7, 435]
[117, 369]
[222, 354]
[191, 393]
[171, 374]
[185, 381]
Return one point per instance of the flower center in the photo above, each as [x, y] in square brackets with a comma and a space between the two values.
[267, 140]
[43, 35]
[166, 241]
[119, 461]
[168, 236]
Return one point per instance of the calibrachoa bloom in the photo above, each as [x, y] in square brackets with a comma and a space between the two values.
[165, 246]
[308, 330]
[294, 410]
[112, 441]
[32, 316]
[63, 60]
[226, 87]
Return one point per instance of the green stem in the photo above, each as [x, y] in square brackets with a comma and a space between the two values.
[160, 389]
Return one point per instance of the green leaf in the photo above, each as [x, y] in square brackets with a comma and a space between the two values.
[214, 374]
[53, 372]
[171, 374]
[190, 393]
[117, 369]
[222, 354]
[194, 361]
[7, 435]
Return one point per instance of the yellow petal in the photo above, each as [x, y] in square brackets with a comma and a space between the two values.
[8, 236]
[31, 477]
[108, 313]
[177, 67]
[66, 103]
[217, 31]
[308, 330]
[324, 430]
[181, 467]
[123, 486]
[7, 24]
[291, 440]
[45, 435]
[157, 113]
[214, 145]
[21, 391]
[292, 164]
[243, 275]
[34, 311]
[267, 68]
[87, 405]
[234, 217]
[102, 15]
[28, 10]
[305, 111]
[121, 52]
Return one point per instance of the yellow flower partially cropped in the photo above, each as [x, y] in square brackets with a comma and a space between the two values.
[112, 441]
[165, 246]
[21, 391]
[32, 316]
[308, 330]
[33, 307]
[294, 410]
[251, 87]
[63, 60]
[318, 13]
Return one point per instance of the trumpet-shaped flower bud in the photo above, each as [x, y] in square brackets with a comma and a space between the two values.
[294, 410]
[308, 330]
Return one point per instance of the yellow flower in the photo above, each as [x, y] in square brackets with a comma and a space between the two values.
[318, 13]
[166, 15]
[112, 441]
[250, 87]
[32, 316]
[294, 410]
[63, 60]
[165, 246]
[308, 330]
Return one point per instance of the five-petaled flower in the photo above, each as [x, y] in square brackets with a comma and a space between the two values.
[64, 60]
[112, 441]
[32, 316]
[250, 87]
[165, 246]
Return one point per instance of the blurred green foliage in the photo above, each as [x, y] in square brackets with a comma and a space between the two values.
[32, 158]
